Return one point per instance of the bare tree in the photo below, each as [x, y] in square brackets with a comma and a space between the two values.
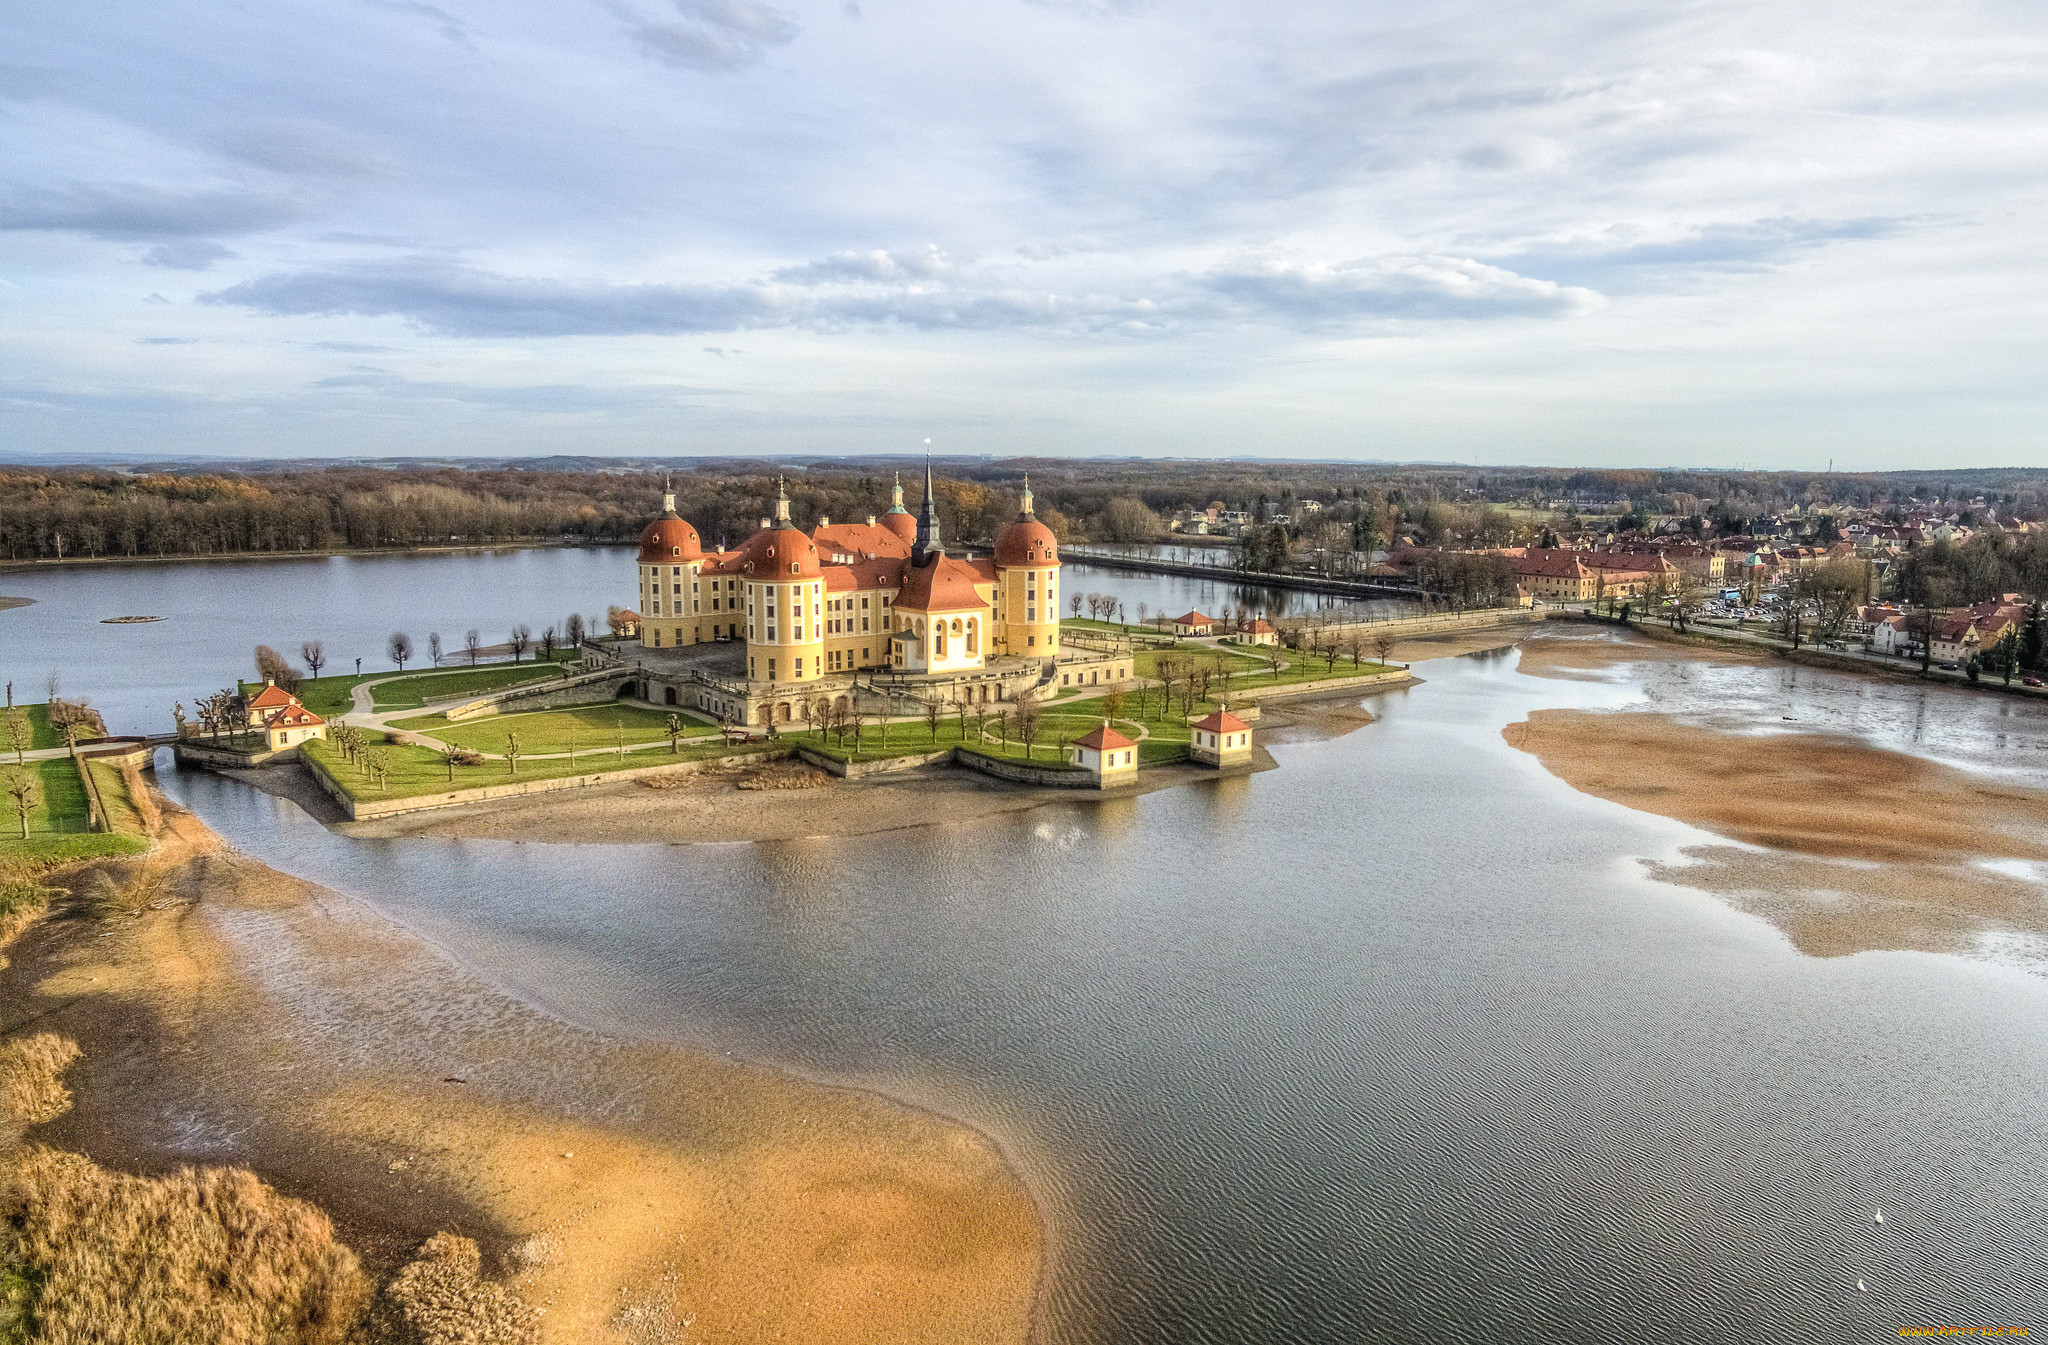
[934, 715]
[1113, 701]
[675, 733]
[547, 643]
[52, 685]
[400, 648]
[1144, 610]
[511, 754]
[572, 630]
[1074, 601]
[20, 733]
[434, 646]
[25, 789]
[1383, 645]
[1354, 645]
[315, 655]
[271, 667]
[521, 641]
[472, 642]
[1029, 723]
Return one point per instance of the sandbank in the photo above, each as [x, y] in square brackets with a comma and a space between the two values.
[1857, 848]
[634, 1192]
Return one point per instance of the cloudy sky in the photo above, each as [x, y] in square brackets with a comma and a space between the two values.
[1582, 232]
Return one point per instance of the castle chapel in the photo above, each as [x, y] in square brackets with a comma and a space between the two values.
[880, 597]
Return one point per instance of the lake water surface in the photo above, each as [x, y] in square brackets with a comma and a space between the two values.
[1393, 1043]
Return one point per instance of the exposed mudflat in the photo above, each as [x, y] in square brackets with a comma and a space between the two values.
[634, 1192]
[1856, 847]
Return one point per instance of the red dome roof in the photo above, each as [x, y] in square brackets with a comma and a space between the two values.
[669, 538]
[771, 553]
[901, 522]
[1026, 541]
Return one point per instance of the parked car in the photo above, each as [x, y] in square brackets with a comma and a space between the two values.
[1946, 667]
[2030, 681]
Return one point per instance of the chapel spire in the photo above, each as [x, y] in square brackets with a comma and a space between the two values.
[927, 542]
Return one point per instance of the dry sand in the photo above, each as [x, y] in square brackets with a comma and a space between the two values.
[1861, 848]
[635, 1192]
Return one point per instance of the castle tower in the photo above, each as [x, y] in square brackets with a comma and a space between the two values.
[785, 602]
[1027, 586]
[671, 558]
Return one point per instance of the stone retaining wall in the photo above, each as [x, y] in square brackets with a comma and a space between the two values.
[1400, 677]
[1400, 628]
[856, 769]
[579, 689]
[220, 759]
[360, 810]
[1022, 773]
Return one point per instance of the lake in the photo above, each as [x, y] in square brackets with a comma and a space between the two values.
[1396, 1042]
[216, 613]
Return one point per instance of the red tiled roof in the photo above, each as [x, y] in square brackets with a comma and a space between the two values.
[272, 695]
[1192, 618]
[860, 541]
[1221, 721]
[941, 584]
[293, 717]
[1103, 738]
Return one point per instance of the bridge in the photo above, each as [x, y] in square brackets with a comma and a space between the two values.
[1231, 574]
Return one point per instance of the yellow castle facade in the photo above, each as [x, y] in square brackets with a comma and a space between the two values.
[844, 598]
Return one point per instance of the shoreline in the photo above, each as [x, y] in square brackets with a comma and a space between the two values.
[1844, 847]
[67, 562]
[254, 1018]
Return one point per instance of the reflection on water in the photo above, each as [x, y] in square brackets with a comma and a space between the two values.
[1392, 1043]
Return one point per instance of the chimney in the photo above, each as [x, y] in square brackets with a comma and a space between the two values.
[824, 520]
[871, 520]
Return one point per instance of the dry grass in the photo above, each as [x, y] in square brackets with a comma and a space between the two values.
[442, 1299]
[200, 1255]
[22, 903]
[139, 795]
[32, 1087]
[784, 775]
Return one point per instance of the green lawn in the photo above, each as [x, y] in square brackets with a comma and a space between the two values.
[418, 770]
[1252, 672]
[460, 682]
[585, 727]
[330, 696]
[57, 826]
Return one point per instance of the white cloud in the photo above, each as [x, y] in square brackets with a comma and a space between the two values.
[1162, 220]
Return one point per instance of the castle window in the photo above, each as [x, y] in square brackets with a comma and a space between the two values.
[793, 567]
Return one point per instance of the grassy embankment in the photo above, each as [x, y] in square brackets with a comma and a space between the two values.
[58, 825]
[414, 771]
[587, 730]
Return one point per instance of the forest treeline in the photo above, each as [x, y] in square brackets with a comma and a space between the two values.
[65, 512]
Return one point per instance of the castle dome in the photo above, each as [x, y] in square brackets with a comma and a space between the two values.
[900, 520]
[1024, 540]
[772, 554]
[669, 538]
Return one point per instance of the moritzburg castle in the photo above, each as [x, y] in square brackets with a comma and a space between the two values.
[862, 616]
